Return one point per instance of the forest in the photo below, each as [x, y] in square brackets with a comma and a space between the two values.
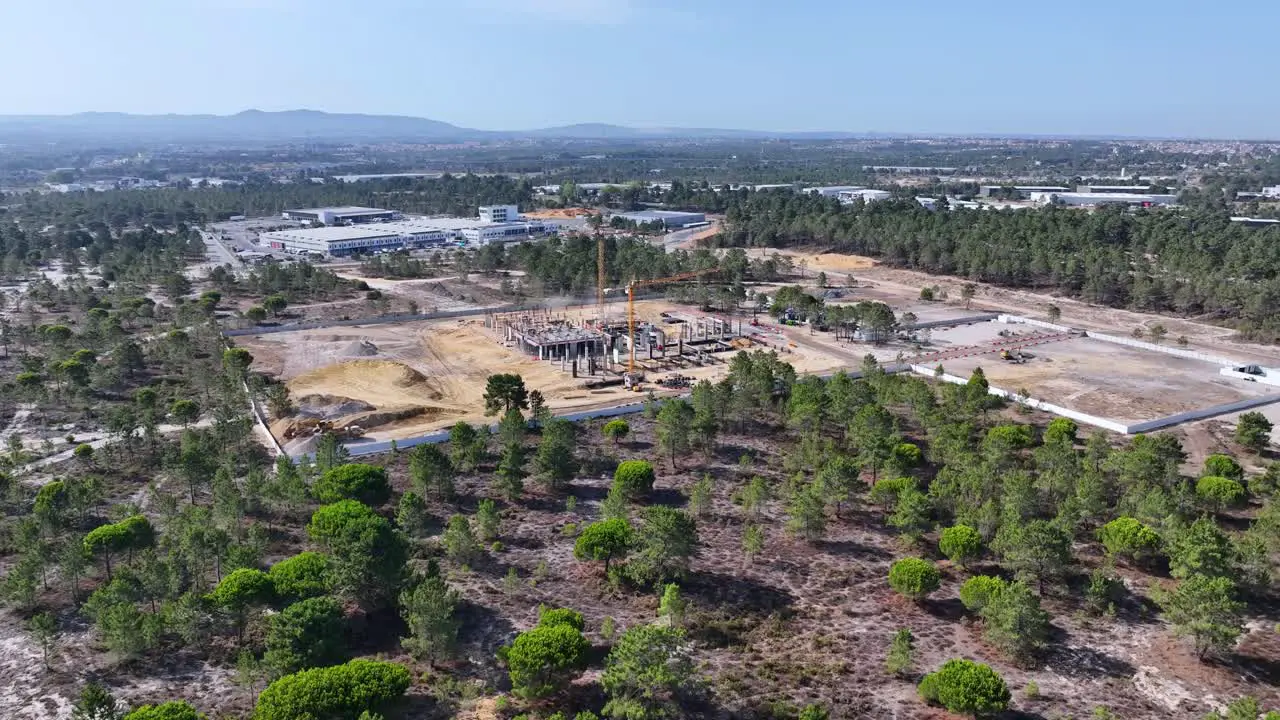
[1182, 262]
[696, 582]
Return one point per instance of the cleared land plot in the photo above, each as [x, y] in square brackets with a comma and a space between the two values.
[1111, 381]
[401, 380]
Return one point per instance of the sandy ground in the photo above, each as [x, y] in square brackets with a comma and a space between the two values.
[1112, 381]
[906, 284]
[559, 213]
[441, 366]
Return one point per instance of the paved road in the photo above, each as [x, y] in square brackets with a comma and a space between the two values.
[218, 253]
[367, 447]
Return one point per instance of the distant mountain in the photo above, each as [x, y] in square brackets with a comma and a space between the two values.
[314, 125]
[253, 125]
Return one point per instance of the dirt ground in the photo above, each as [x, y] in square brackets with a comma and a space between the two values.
[1112, 381]
[810, 622]
[553, 213]
[906, 285]
[441, 367]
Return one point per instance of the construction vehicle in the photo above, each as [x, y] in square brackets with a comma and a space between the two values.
[1013, 356]
[632, 380]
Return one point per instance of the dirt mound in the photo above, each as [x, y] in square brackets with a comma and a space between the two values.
[377, 418]
[330, 406]
[358, 348]
[378, 383]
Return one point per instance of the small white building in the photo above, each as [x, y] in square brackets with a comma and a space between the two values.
[1271, 192]
[499, 213]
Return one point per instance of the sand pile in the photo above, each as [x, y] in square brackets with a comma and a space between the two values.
[377, 383]
[330, 406]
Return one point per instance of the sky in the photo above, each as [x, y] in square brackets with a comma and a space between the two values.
[1177, 68]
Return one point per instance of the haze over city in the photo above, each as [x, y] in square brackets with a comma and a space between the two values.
[1172, 69]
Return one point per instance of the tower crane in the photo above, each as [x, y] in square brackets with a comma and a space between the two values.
[631, 380]
[599, 278]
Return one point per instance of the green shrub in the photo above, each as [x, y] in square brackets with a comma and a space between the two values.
[634, 478]
[885, 492]
[304, 635]
[353, 481]
[176, 710]
[616, 430]
[914, 578]
[960, 543]
[962, 686]
[1223, 466]
[561, 616]
[544, 660]
[1220, 492]
[977, 591]
[1129, 538]
[342, 691]
[605, 540]
[307, 574]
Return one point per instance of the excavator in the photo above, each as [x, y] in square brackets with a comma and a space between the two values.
[1013, 356]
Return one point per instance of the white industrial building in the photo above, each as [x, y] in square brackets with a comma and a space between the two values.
[1090, 199]
[406, 234]
[1271, 192]
[833, 190]
[668, 218]
[341, 215]
[864, 194]
[1140, 189]
[1022, 191]
[499, 213]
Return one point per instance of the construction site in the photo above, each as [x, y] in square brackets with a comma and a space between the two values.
[609, 350]
[401, 379]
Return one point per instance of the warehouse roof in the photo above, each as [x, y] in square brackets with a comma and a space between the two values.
[342, 210]
[658, 214]
[338, 233]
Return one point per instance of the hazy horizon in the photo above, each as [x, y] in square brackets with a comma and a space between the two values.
[1169, 70]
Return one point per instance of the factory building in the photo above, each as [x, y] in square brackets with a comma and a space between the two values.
[1093, 199]
[351, 240]
[864, 194]
[668, 218]
[341, 215]
[1023, 191]
[833, 190]
[1271, 192]
[407, 234]
[499, 213]
[1140, 189]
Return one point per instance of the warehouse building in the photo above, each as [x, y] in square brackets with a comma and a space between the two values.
[833, 190]
[668, 218]
[412, 233]
[1093, 199]
[341, 215]
[1140, 189]
[849, 197]
[350, 240]
[1022, 191]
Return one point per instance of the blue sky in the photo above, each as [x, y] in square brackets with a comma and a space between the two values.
[1172, 68]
